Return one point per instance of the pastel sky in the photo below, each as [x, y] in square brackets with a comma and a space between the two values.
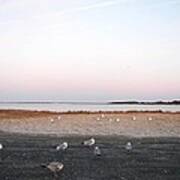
[89, 49]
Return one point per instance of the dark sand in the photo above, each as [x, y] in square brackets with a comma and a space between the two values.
[150, 158]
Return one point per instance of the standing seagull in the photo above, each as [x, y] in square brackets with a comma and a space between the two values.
[89, 142]
[51, 120]
[128, 146]
[54, 167]
[97, 151]
[117, 120]
[150, 118]
[1, 146]
[102, 115]
[62, 146]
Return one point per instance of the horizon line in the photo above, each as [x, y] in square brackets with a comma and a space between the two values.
[160, 101]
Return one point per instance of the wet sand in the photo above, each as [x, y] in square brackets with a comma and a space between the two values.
[150, 158]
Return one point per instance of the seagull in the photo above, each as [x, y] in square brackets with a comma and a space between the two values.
[98, 119]
[134, 118]
[62, 146]
[150, 118]
[89, 142]
[117, 119]
[59, 117]
[52, 120]
[1, 146]
[102, 115]
[97, 151]
[128, 146]
[54, 167]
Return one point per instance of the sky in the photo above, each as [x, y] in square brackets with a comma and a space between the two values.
[89, 50]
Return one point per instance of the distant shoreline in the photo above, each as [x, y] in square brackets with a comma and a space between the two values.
[173, 102]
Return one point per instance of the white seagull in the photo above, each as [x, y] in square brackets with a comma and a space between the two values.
[102, 115]
[1, 146]
[52, 120]
[89, 142]
[97, 151]
[117, 120]
[150, 118]
[134, 118]
[62, 146]
[59, 117]
[128, 146]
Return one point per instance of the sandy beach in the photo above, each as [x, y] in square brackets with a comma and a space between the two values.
[136, 124]
[29, 140]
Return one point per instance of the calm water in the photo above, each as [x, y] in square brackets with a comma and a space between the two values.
[61, 107]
